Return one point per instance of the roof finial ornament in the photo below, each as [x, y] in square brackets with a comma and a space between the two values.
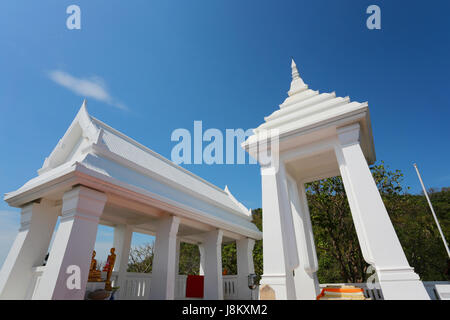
[297, 84]
[84, 106]
[295, 74]
[83, 109]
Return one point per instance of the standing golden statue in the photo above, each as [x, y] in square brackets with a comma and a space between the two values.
[109, 266]
[94, 274]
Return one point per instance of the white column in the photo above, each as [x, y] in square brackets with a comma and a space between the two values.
[280, 248]
[67, 269]
[379, 243]
[213, 286]
[37, 222]
[179, 292]
[201, 249]
[305, 277]
[122, 243]
[177, 258]
[244, 252]
[162, 286]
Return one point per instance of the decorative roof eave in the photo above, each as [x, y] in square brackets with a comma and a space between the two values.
[104, 152]
[310, 97]
[58, 178]
[88, 129]
[304, 113]
[309, 123]
[100, 150]
[244, 209]
[360, 114]
[169, 205]
[65, 177]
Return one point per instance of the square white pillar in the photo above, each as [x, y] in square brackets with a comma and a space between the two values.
[280, 247]
[177, 258]
[213, 286]
[379, 242]
[37, 222]
[162, 286]
[67, 268]
[245, 267]
[122, 242]
[305, 276]
[201, 249]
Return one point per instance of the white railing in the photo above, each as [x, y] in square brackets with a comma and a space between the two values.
[114, 277]
[230, 287]
[180, 287]
[136, 286]
[430, 286]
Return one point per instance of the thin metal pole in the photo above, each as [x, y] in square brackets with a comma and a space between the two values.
[432, 211]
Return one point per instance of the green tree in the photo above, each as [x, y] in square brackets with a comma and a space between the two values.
[141, 258]
[339, 254]
[257, 250]
[189, 259]
[229, 257]
[418, 232]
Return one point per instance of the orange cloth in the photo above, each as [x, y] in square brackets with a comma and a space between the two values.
[341, 290]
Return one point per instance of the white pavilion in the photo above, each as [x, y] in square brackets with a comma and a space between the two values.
[319, 136]
[97, 175]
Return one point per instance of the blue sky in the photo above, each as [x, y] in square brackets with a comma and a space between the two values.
[154, 66]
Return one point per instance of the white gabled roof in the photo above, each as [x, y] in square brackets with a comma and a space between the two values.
[127, 148]
[104, 151]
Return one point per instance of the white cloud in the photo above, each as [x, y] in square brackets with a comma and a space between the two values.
[9, 226]
[92, 87]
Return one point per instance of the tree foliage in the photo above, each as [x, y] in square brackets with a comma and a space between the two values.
[141, 258]
[189, 259]
[339, 254]
[229, 250]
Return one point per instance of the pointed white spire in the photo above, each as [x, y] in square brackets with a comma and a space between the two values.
[297, 84]
[83, 106]
[295, 74]
[83, 109]
[84, 120]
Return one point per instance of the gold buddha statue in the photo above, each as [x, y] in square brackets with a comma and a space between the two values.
[108, 268]
[94, 274]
